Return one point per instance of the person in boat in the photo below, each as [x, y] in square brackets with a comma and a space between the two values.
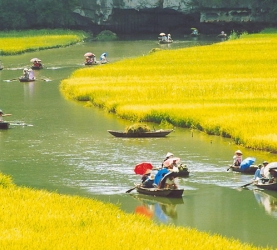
[146, 175]
[103, 58]
[237, 159]
[149, 183]
[195, 32]
[31, 74]
[257, 175]
[169, 38]
[265, 163]
[168, 155]
[170, 183]
[222, 34]
[3, 115]
[164, 38]
[272, 176]
[25, 73]
[37, 64]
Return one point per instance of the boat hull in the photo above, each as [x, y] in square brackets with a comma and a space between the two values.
[267, 186]
[158, 133]
[26, 80]
[36, 67]
[165, 42]
[170, 193]
[250, 170]
[4, 125]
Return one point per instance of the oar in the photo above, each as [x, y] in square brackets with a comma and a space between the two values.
[10, 80]
[130, 190]
[243, 186]
[229, 168]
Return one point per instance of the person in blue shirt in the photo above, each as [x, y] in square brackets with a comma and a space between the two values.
[149, 183]
[257, 175]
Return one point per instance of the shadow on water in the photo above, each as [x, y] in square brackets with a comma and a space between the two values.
[69, 150]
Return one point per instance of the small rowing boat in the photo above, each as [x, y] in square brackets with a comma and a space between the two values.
[37, 67]
[140, 134]
[266, 185]
[4, 125]
[170, 193]
[251, 170]
[23, 79]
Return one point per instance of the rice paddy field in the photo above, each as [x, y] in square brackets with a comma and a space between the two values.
[227, 89]
[33, 219]
[16, 42]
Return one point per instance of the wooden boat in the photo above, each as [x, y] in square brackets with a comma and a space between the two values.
[154, 133]
[267, 186]
[91, 63]
[170, 193]
[165, 42]
[222, 36]
[4, 125]
[37, 67]
[251, 170]
[23, 79]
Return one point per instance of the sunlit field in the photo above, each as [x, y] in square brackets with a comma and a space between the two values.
[42, 220]
[15, 42]
[227, 89]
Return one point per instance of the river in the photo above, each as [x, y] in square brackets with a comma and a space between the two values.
[66, 149]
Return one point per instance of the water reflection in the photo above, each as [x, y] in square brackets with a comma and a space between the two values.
[268, 201]
[160, 209]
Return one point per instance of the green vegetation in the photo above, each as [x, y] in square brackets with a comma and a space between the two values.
[227, 89]
[16, 42]
[138, 127]
[106, 35]
[42, 220]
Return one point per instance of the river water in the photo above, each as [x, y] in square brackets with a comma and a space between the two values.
[66, 148]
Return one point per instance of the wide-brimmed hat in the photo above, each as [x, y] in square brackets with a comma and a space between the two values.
[148, 171]
[265, 162]
[152, 177]
[169, 154]
[238, 152]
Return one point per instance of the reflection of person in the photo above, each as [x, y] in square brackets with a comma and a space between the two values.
[169, 183]
[237, 159]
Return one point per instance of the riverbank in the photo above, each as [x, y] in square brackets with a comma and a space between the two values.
[17, 42]
[42, 220]
[226, 89]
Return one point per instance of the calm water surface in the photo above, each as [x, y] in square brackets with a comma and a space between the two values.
[66, 148]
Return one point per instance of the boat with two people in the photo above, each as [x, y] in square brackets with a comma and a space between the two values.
[269, 182]
[28, 76]
[164, 39]
[90, 59]
[194, 32]
[37, 65]
[243, 166]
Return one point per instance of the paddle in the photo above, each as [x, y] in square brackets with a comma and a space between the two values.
[243, 186]
[229, 168]
[11, 80]
[130, 190]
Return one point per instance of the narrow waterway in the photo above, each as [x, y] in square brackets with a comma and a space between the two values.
[66, 148]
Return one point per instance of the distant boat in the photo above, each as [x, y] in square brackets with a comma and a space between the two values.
[4, 125]
[154, 133]
[251, 170]
[23, 79]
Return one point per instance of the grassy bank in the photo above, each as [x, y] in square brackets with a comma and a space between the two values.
[41, 220]
[16, 42]
[228, 89]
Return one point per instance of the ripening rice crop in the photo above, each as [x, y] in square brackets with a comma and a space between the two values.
[18, 42]
[227, 89]
[34, 220]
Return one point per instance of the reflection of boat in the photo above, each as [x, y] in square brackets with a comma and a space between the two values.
[267, 186]
[251, 170]
[4, 125]
[268, 201]
[156, 133]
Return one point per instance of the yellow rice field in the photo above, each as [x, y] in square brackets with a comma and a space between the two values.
[33, 219]
[18, 42]
[227, 89]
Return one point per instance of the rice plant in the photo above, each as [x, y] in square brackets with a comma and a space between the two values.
[228, 89]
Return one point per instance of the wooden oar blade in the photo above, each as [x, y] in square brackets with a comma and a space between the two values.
[130, 190]
[243, 186]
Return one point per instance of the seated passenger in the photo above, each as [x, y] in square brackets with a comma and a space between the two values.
[237, 159]
[149, 183]
[170, 184]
